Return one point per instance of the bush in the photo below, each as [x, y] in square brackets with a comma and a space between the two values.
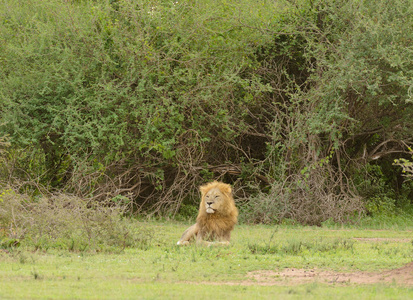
[67, 222]
[146, 100]
[126, 97]
[309, 201]
[347, 114]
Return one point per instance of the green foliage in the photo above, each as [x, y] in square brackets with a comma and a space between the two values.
[351, 108]
[187, 212]
[373, 186]
[406, 165]
[135, 84]
[147, 99]
[97, 82]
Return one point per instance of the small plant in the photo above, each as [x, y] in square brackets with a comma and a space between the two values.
[36, 275]
[407, 165]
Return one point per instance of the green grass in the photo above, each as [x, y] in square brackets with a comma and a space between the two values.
[167, 271]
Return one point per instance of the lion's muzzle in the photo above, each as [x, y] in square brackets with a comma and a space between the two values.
[210, 210]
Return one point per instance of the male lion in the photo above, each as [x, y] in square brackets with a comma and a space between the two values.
[216, 218]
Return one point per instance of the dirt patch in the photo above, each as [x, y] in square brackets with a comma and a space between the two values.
[402, 276]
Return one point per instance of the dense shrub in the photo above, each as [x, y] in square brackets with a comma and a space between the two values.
[133, 91]
[289, 101]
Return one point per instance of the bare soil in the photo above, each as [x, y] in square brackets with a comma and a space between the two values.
[402, 276]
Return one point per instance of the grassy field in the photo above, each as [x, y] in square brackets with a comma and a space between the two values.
[251, 268]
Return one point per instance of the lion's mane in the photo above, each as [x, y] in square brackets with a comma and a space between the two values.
[222, 222]
[215, 226]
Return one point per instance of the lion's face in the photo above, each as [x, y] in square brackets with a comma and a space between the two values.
[217, 200]
[213, 200]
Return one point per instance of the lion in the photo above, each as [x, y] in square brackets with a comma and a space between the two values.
[216, 218]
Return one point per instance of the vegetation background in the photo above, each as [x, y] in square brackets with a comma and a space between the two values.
[305, 107]
[115, 111]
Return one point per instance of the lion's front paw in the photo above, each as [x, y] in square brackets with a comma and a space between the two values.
[182, 243]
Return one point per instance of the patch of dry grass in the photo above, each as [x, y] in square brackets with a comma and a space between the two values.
[68, 222]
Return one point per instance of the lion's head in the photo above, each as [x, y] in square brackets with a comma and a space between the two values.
[216, 218]
[217, 209]
[216, 198]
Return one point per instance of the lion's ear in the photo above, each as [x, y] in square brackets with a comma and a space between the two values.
[225, 188]
[228, 189]
[203, 189]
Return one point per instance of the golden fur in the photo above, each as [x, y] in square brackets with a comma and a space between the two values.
[217, 216]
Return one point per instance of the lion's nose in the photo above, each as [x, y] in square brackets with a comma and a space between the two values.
[209, 203]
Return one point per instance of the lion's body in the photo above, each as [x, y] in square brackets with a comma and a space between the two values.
[216, 218]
